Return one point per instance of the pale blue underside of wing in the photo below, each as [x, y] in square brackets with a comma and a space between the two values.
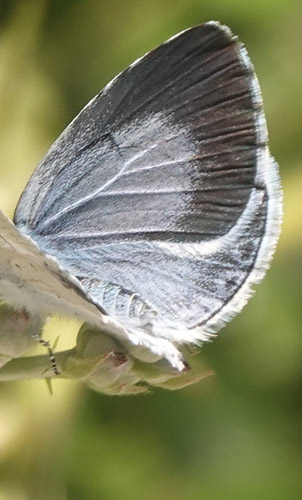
[153, 196]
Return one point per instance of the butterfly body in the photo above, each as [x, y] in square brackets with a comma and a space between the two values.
[35, 281]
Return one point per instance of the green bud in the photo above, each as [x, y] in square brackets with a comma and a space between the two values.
[155, 373]
[125, 385]
[184, 380]
[97, 359]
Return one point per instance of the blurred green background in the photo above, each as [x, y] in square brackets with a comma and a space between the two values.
[236, 435]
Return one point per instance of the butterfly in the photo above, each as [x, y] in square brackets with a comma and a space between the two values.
[158, 207]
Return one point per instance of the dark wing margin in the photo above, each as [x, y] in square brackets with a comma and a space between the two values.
[163, 186]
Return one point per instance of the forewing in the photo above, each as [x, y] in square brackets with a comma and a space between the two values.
[162, 189]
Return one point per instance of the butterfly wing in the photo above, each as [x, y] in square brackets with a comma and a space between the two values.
[161, 196]
[33, 281]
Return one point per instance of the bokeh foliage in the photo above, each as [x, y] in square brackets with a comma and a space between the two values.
[236, 435]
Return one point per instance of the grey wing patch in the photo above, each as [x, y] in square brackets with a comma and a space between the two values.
[166, 133]
[120, 302]
[190, 285]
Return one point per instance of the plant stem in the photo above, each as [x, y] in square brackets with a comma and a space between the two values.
[32, 367]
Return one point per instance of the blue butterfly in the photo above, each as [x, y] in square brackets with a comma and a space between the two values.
[158, 207]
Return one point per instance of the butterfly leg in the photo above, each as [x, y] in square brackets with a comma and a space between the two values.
[37, 324]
